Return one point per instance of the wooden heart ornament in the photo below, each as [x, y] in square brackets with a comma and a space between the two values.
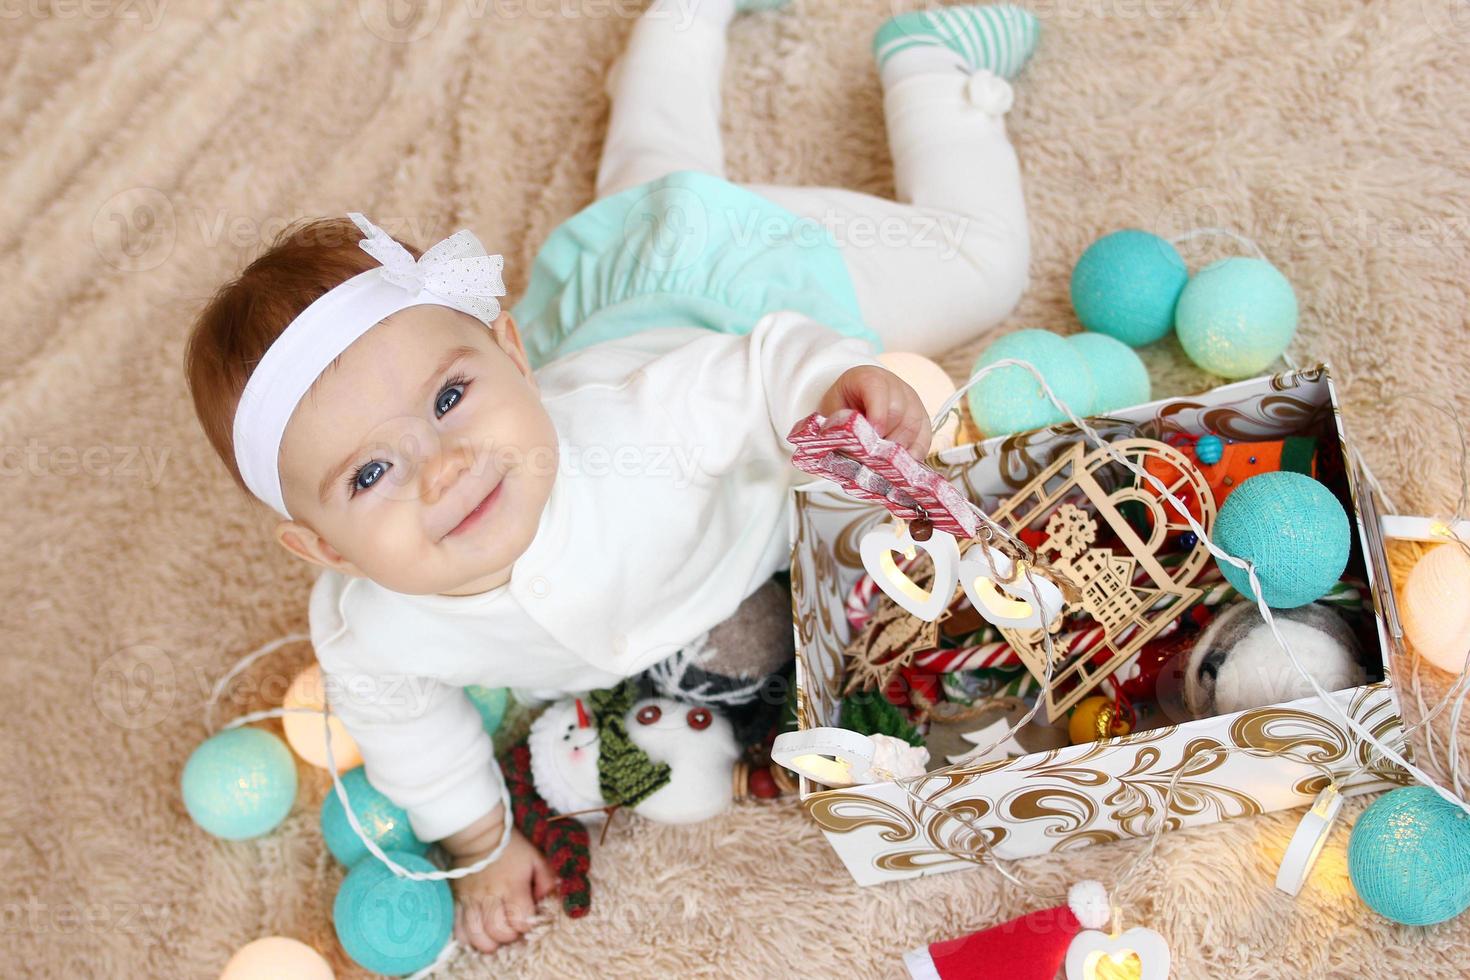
[877, 550]
[1134, 954]
[1002, 592]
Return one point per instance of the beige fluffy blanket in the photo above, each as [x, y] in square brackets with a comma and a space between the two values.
[150, 147]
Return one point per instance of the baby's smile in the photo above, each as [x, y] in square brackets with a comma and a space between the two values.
[481, 511]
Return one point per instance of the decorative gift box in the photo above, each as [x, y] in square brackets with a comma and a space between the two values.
[1116, 787]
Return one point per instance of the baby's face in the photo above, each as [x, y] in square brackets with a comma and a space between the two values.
[423, 460]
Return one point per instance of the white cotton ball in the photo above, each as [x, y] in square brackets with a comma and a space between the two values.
[1436, 607]
[1257, 672]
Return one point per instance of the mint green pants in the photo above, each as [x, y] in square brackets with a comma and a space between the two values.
[671, 241]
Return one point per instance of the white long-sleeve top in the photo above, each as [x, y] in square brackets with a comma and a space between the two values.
[670, 506]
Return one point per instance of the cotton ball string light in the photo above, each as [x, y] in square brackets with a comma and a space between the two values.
[1436, 607]
[932, 384]
[239, 783]
[1236, 316]
[385, 823]
[304, 730]
[490, 702]
[1009, 399]
[275, 957]
[1295, 532]
[1409, 857]
[1119, 378]
[392, 925]
[1126, 286]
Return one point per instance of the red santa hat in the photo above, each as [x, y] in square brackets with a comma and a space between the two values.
[1032, 947]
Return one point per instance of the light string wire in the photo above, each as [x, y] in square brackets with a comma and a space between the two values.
[341, 790]
[1220, 554]
[1239, 239]
[1379, 749]
[1458, 691]
[453, 947]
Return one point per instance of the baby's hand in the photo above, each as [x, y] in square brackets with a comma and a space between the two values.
[886, 401]
[498, 904]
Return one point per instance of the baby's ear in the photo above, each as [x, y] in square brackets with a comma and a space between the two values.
[508, 336]
[301, 541]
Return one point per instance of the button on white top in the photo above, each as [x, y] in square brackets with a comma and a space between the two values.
[539, 586]
[620, 643]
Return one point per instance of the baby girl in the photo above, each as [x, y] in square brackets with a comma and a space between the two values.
[557, 497]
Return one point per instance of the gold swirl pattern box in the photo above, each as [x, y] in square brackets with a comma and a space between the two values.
[1114, 788]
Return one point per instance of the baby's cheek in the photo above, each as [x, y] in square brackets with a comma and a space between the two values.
[392, 548]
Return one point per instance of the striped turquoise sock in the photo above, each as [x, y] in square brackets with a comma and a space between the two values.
[998, 37]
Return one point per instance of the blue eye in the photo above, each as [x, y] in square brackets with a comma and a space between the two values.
[365, 476]
[451, 396]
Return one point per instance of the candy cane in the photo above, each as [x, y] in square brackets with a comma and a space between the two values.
[860, 602]
[999, 653]
[859, 607]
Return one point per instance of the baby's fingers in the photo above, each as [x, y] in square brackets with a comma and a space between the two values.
[520, 913]
[544, 880]
[473, 915]
[499, 927]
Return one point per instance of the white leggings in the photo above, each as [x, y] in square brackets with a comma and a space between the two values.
[934, 269]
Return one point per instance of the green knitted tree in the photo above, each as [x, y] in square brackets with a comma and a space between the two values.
[870, 713]
[626, 775]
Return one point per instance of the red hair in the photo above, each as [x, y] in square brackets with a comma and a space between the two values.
[245, 316]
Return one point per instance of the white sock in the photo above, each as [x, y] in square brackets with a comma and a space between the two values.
[921, 60]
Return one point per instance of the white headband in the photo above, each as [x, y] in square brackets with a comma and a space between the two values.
[455, 273]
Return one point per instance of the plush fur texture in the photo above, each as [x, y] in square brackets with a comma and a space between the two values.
[1331, 131]
[1236, 663]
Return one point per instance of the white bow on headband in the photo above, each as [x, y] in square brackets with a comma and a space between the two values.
[455, 273]
[457, 268]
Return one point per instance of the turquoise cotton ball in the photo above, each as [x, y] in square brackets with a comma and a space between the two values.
[1236, 317]
[490, 702]
[1295, 532]
[1009, 400]
[240, 783]
[1126, 286]
[1119, 378]
[393, 925]
[1409, 857]
[383, 820]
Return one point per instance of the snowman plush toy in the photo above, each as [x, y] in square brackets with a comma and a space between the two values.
[666, 760]
[586, 757]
